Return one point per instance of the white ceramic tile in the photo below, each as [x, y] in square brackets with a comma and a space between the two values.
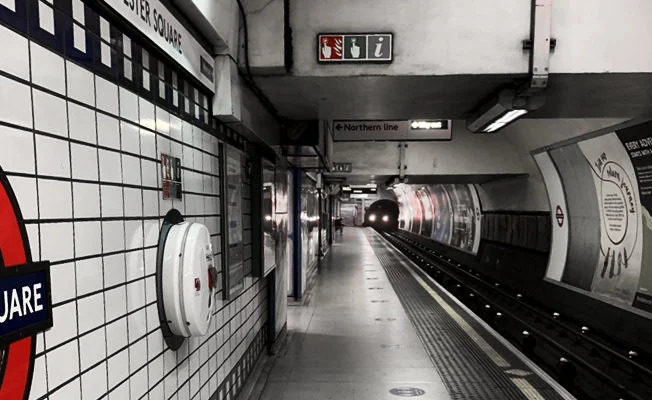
[176, 149]
[106, 94]
[176, 126]
[188, 157]
[119, 369]
[137, 329]
[15, 102]
[138, 383]
[78, 11]
[114, 270]
[84, 162]
[163, 144]
[116, 335]
[150, 261]
[110, 166]
[121, 392]
[65, 325]
[147, 118]
[105, 54]
[108, 131]
[162, 121]
[63, 281]
[130, 138]
[105, 29]
[131, 170]
[94, 382]
[81, 85]
[126, 45]
[69, 391]
[127, 67]
[150, 289]
[81, 123]
[135, 265]
[150, 202]
[134, 234]
[150, 171]
[33, 237]
[62, 364]
[116, 303]
[129, 105]
[111, 201]
[92, 348]
[89, 274]
[88, 239]
[89, 317]
[17, 46]
[55, 199]
[50, 114]
[47, 69]
[113, 236]
[79, 38]
[154, 345]
[86, 202]
[146, 80]
[133, 200]
[52, 156]
[151, 229]
[135, 295]
[39, 379]
[46, 17]
[25, 191]
[148, 143]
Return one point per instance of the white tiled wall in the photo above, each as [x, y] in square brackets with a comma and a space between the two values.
[82, 153]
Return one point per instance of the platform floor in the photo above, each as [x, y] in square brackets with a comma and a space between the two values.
[356, 341]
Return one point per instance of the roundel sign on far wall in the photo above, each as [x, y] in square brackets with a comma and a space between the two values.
[25, 302]
[559, 216]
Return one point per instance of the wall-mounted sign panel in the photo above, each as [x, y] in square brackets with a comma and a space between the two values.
[355, 48]
[350, 131]
[25, 304]
[157, 23]
[171, 177]
[342, 167]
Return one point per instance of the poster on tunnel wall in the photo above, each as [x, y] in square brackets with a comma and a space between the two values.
[417, 211]
[463, 233]
[442, 214]
[637, 141]
[618, 269]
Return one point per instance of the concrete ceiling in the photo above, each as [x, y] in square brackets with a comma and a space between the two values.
[453, 96]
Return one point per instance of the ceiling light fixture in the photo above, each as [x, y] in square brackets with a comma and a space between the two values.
[504, 109]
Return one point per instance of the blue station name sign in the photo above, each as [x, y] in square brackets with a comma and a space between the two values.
[25, 301]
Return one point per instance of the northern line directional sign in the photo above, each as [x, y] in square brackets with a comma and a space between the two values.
[355, 47]
[389, 130]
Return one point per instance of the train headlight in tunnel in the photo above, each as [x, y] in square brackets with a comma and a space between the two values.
[372, 217]
[385, 218]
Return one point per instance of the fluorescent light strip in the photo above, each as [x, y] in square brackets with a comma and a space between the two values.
[504, 120]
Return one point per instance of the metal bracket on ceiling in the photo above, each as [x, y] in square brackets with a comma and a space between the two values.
[402, 166]
[541, 45]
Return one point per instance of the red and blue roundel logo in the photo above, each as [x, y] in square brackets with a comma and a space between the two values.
[25, 302]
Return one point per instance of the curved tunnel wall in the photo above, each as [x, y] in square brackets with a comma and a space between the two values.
[449, 214]
[602, 223]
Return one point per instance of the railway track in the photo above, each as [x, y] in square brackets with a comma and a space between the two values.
[586, 363]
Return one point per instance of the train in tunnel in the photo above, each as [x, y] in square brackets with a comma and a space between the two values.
[382, 215]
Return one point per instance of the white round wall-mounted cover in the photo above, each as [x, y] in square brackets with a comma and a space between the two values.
[188, 279]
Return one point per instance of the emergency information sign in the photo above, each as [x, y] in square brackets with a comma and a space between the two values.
[355, 47]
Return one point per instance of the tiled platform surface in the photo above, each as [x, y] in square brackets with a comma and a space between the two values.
[354, 340]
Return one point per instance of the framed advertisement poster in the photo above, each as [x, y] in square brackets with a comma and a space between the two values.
[234, 238]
